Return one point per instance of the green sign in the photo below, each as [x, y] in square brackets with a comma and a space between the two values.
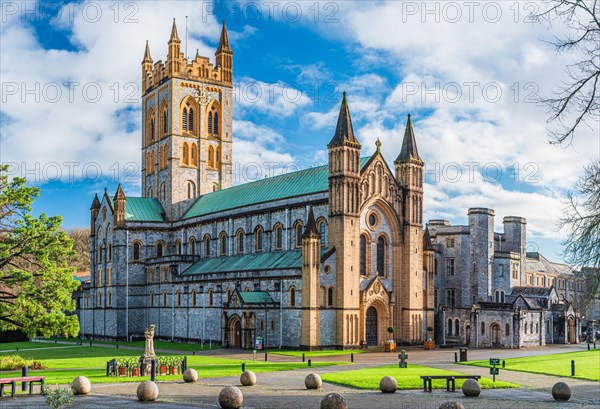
[494, 371]
[494, 361]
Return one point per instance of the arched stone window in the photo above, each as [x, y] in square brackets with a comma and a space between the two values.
[381, 255]
[507, 329]
[179, 298]
[137, 251]
[178, 247]
[160, 249]
[449, 326]
[184, 119]
[330, 297]
[223, 244]
[210, 123]
[164, 298]
[216, 124]
[193, 155]
[363, 254]
[165, 122]
[211, 297]
[322, 225]
[298, 237]
[258, 239]
[211, 157]
[191, 190]
[194, 303]
[163, 191]
[109, 299]
[191, 120]
[151, 298]
[184, 154]
[278, 233]
[207, 246]
[192, 249]
[482, 326]
[292, 296]
[456, 327]
[240, 241]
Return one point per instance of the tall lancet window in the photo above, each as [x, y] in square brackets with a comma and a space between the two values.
[381, 256]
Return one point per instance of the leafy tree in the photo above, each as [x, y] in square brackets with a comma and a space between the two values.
[582, 218]
[36, 282]
[577, 100]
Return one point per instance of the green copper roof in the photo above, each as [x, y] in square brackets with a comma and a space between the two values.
[247, 262]
[143, 209]
[255, 297]
[303, 182]
[276, 260]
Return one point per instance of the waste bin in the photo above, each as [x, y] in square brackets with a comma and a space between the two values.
[463, 355]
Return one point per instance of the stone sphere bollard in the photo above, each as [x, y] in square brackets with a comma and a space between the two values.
[147, 391]
[452, 404]
[471, 388]
[388, 384]
[313, 381]
[190, 375]
[231, 397]
[248, 378]
[561, 391]
[334, 401]
[81, 385]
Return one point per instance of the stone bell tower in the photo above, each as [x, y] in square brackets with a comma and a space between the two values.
[186, 125]
[344, 226]
[409, 289]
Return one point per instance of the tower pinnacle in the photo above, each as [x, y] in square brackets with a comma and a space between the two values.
[409, 145]
[344, 133]
[174, 37]
[224, 40]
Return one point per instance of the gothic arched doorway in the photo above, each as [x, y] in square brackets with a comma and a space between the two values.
[571, 331]
[371, 326]
[468, 334]
[496, 334]
[234, 329]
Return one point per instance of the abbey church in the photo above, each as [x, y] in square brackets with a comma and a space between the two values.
[327, 257]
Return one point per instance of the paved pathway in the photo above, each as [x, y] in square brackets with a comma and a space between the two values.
[277, 390]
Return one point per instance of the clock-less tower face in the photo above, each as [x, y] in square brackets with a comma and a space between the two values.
[187, 126]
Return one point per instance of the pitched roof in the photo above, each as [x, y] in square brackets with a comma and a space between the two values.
[95, 203]
[293, 184]
[427, 246]
[344, 133]
[409, 145]
[532, 291]
[255, 297]
[142, 209]
[276, 260]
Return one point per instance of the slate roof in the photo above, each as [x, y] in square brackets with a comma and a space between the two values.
[536, 263]
[532, 291]
[293, 184]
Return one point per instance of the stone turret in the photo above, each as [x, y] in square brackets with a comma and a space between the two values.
[119, 207]
[311, 260]
[481, 225]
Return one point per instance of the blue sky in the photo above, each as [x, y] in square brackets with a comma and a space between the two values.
[70, 112]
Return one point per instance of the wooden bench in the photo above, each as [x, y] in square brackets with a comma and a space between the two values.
[450, 380]
[13, 382]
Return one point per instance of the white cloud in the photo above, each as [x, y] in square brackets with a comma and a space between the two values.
[275, 99]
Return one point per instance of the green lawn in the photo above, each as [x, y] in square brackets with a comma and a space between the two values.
[61, 364]
[407, 378]
[166, 345]
[308, 354]
[587, 364]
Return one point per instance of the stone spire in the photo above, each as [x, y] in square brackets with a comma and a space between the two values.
[409, 145]
[344, 133]
[311, 230]
[119, 207]
[224, 40]
[147, 56]
[174, 37]
[95, 203]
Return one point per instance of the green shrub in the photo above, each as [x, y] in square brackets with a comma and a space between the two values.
[12, 362]
[59, 397]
